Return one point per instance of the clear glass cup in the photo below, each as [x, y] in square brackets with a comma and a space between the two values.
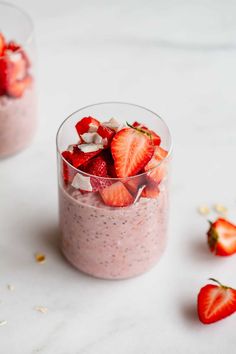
[113, 242]
[17, 80]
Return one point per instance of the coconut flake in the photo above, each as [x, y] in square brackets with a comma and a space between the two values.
[112, 123]
[3, 323]
[90, 147]
[92, 138]
[41, 309]
[139, 193]
[98, 139]
[71, 148]
[92, 128]
[82, 182]
[121, 126]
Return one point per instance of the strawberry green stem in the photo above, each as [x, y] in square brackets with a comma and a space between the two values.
[217, 281]
[140, 130]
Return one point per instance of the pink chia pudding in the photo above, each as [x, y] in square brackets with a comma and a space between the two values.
[17, 122]
[112, 243]
[113, 190]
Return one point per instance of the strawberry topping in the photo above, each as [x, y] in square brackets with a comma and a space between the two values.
[222, 238]
[150, 191]
[131, 151]
[106, 133]
[116, 195]
[17, 88]
[104, 153]
[134, 183]
[156, 174]
[2, 44]
[66, 169]
[87, 124]
[216, 302]
[156, 140]
[14, 64]
[80, 158]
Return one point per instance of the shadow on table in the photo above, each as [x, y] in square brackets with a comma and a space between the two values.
[189, 312]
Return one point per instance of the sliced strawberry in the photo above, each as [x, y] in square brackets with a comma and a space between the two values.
[216, 302]
[98, 167]
[2, 44]
[67, 170]
[18, 67]
[156, 174]
[156, 140]
[131, 151]
[222, 238]
[81, 158]
[116, 195]
[17, 88]
[3, 76]
[134, 183]
[106, 133]
[150, 191]
[14, 47]
[87, 124]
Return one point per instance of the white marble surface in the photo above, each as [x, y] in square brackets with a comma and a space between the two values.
[177, 58]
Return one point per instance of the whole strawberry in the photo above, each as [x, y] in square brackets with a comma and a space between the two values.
[222, 237]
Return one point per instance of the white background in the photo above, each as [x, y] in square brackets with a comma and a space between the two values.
[177, 58]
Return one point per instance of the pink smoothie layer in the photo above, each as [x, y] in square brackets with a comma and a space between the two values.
[17, 122]
[108, 242]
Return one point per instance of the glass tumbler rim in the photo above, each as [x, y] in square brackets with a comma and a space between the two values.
[29, 37]
[166, 158]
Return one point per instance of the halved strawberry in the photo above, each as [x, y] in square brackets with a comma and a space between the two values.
[17, 88]
[87, 124]
[131, 151]
[156, 140]
[222, 237]
[156, 174]
[106, 133]
[81, 158]
[2, 44]
[215, 302]
[150, 191]
[116, 195]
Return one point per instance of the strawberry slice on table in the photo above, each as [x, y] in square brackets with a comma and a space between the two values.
[116, 195]
[215, 302]
[156, 174]
[106, 133]
[156, 140]
[87, 124]
[150, 191]
[131, 151]
[222, 237]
